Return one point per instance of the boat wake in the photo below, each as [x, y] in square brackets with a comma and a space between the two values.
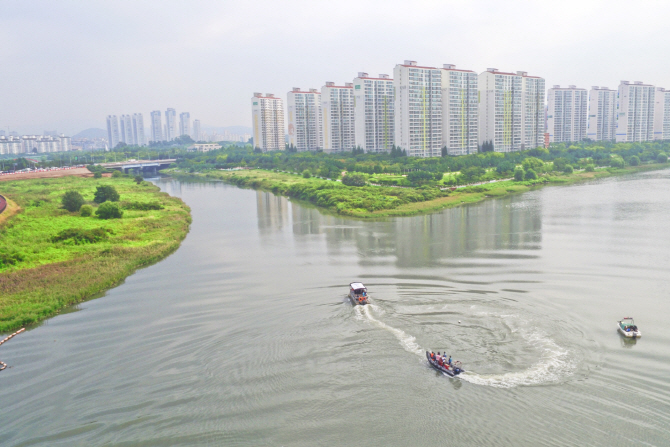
[407, 341]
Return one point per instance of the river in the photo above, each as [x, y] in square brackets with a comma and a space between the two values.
[244, 336]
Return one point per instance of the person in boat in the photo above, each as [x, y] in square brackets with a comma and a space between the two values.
[449, 361]
[432, 355]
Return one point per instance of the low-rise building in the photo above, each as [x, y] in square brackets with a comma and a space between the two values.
[203, 147]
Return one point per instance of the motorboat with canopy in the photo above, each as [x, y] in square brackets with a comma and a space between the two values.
[358, 294]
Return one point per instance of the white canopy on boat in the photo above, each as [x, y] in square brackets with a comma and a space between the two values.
[357, 285]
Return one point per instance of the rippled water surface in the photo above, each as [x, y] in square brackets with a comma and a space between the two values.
[245, 337]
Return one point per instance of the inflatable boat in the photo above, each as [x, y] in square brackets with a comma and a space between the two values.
[452, 371]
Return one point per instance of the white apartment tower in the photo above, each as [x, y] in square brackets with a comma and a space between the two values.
[635, 117]
[532, 103]
[185, 124]
[138, 129]
[566, 114]
[126, 130]
[418, 109]
[170, 124]
[662, 114]
[156, 126]
[460, 110]
[500, 110]
[374, 113]
[197, 136]
[602, 114]
[267, 113]
[112, 131]
[305, 124]
[337, 115]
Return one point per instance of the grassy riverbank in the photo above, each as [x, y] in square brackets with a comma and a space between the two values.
[379, 201]
[39, 276]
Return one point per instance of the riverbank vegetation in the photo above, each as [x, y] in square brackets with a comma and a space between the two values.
[51, 257]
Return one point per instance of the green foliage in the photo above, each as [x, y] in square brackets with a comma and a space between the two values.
[143, 206]
[530, 175]
[85, 210]
[117, 174]
[10, 257]
[306, 174]
[72, 201]
[560, 163]
[634, 160]
[109, 210]
[590, 168]
[568, 169]
[354, 180]
[661, 158]
[97, 174]
[138, 179]
[616, 162]
[105, 193]
[532, 163]
[78, 236]
[519, 174]
[420, 177]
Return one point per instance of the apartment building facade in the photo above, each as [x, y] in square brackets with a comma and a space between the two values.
[602, 114]
[533, 122]
[662, 114]
[501, 110]
[184, 124]
[635, 112]
[566, 114]
[138, 129]
[337, 115]
[267, 114]
[113, 134]
[32, 144]
[460, 110]
[197, 134]
[418, 109]
[126, 130]
[374, 113]
[305, 123]
[156, 126]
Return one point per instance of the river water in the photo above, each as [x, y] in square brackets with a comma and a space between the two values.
[244, 336]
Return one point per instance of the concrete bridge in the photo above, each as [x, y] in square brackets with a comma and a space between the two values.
[152, 166]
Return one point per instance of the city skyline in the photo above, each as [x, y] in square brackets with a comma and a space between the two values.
[112, 68]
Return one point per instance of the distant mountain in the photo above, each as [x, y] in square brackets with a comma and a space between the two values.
[91, 133]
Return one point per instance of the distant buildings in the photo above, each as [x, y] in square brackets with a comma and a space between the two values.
[532, 103]
[635, 120]
[662, 114]
[126, 130]
[113, 135]
[156, 126]
[602, 114]
[305, 123]
[337, 114]
[203, 147]
[197, 135]
[184, 124]
[374, 113]
[268, 122]
[460, 110]
[170, 124]
[501, 110]
[138, 130]
[418, 109]
[129, 130]
[566, 114]
[30, 144]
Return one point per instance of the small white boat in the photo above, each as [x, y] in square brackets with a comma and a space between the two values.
[358, 294]
[627, 328]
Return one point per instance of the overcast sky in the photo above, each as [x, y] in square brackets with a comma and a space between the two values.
[67, 64]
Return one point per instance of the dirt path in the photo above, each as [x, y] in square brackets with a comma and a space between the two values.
[81, 172]
[12, 209]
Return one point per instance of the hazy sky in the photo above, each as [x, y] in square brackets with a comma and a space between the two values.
[67, 64]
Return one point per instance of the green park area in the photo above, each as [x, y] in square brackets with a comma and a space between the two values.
[56, 252]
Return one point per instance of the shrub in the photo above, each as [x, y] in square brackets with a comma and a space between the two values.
[72, 201]
[306, 173]
[590, 168]
[568, 169]
[634, 160]
[530, 175]
[420, 177]
[519, 174]
[85, 210]
[105, 193]
[616, 162]
[11, 257]
[77, 236]
[117, 174]
[97, 174]
[138, 179]
[143, 206]
[354, 180]
[532, 163]
[662, 158]
[109, 210]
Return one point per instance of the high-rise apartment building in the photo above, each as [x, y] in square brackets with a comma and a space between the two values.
[267, 113]
[305, 124]
[635, 117]
[532, 103]
[337, 115]
[566, 114]
[418, 109]
[156, 126]
[501, 110]
[662, 114]
[126, 130]
[138, 129]
[602, 114]
[460, 110]
[170, 124]
[197, 135]
[185, 124]
[374, 113]
[112, 131]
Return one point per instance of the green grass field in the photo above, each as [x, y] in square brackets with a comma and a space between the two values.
[38, 277]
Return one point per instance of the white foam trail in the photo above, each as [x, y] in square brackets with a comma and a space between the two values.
[406, 341]
[552, 366]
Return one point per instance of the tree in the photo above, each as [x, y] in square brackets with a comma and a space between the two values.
[519, 174]
[616, 162]
[444, 151]
[568, 169]
[353, 180]
[72, 201]
[532, 163]
[306, 174]
[105, 193]
[487, 146]
[109, 210]
[97, 174]
[420, 177]
[634, 160]
[138, 179]
[85, 210]
[117, 174]
[530, 175]
[590, 168]
[662, 158]
[559, 163]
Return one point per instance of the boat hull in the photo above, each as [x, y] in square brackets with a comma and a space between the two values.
[450, 372]
[628, 334]
[354, 300]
